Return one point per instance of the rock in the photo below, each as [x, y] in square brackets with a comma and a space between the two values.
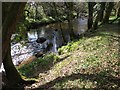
[41, 40]
[56, 30]
[40, 54]
[34, 25]
[27, 61]
[50, 45]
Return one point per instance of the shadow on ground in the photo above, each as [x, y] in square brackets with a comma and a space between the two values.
[103, 82]
[41, 66]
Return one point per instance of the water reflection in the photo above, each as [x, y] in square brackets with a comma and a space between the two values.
[80, 25]
[52, 33]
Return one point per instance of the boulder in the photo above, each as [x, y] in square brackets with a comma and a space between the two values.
[41, 40]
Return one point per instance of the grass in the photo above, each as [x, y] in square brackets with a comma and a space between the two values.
[39, 65]
[91, 62]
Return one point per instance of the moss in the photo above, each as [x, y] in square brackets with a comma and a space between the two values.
[29, 70]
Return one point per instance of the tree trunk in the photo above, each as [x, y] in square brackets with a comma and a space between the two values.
[11, 18]
[95, 24]
[69, 6]
[36, 11]
[57, 17]
[90, 12]
[9, 23]
[118, 14]
[11, 72]
[108, 12]
[102, 10]
[117, 8]
[99, 17]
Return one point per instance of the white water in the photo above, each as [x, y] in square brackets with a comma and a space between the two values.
[54, 48]
[20, 52]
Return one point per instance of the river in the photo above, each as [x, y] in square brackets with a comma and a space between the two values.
[52, 33]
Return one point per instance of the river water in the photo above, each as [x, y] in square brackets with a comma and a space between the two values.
[20, 52]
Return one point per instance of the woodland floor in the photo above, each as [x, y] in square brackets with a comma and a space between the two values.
[92, 62]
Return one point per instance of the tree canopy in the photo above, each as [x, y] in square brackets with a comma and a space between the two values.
[73, 42]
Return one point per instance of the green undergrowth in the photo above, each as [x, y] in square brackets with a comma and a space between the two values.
[100, 64]
[91, 62]
[85, 44]
[38, 66]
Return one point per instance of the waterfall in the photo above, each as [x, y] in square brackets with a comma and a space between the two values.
[54, 48]
[54, 44]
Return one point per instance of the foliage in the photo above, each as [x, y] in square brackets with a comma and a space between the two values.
[44, 63]
[94, 54]
[72, 46]
[90, 62]
[36, 11]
